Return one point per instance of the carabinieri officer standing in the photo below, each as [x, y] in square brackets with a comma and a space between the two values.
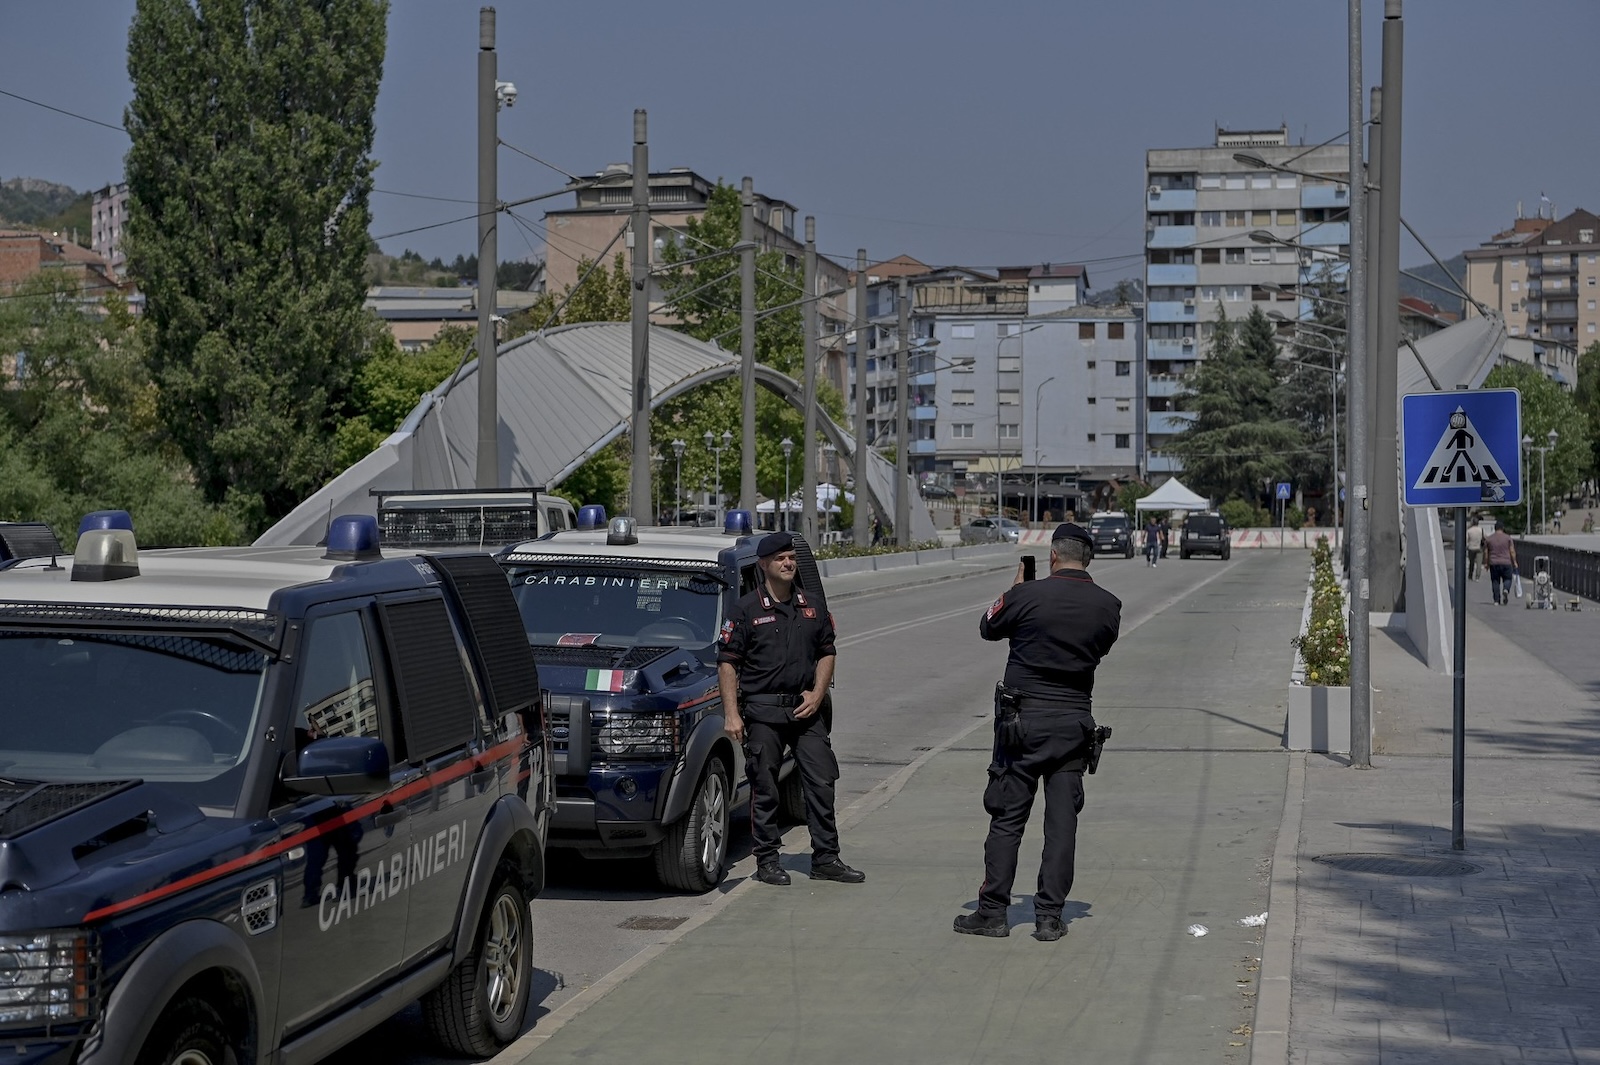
[1060, 628]
[774, 667]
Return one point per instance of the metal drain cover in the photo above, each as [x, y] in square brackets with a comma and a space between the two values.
[1398, 864]
[652, 923]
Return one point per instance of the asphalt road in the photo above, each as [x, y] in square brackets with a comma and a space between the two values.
[912, 674]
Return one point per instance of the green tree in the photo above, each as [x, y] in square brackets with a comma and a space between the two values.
[389, 386]
[1545, 406]
[1587, 397]
[1240, 439]
[705, 295]
[1308, 378]
[248, 179]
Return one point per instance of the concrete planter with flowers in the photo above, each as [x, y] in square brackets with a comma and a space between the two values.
[1319, 690]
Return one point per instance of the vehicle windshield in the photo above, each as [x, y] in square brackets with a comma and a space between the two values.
[1108, 524]
[617, 606]
[1204, 524]
[174, 709]
[1007, 523]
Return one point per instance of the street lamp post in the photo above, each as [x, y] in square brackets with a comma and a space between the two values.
[655, 468]
[727, 441]
[1527, 496]
[788, 449]
[677, 487]
[1037, 391]
[829, 454]
[1527, 446]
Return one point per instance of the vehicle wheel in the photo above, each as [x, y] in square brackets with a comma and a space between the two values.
[1129, 552]
[692, 855]
[479, 1007]
[1227, 553]
[792, 798]
[190, 1032]
[1183, 555]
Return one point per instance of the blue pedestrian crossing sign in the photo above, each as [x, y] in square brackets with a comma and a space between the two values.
[1283, 489]
[1460, 449]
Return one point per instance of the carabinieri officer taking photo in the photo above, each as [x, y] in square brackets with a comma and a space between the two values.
[774, 666]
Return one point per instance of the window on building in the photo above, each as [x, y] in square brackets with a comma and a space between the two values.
[1590, 305]
[1233, 293]
[1085, 330]
[1089, 365]
[1260, 254]
[1210, 255]
[1589, 327]
[1286, 218]
[1210, 293]
[1008, 397]
[1091, 438]
[1514, 263]
[1284, 181]
[961, 431]
[963, 331]
[1233, 256]
[1234, 181]
[1007, 329]
[1120, 440]
[1261, 218]
[1261, 181]
[1516, 286]
[1515, 330]
[1210, 218]
[1115, 330]
[1010, 364]
[1124, 368]
[1233, 218]
[1124, 405]
[1211, 181]
[1589, 281]
[1010, 431]
[963, 397]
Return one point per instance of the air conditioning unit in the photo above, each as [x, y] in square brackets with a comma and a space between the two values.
[1189, 302]
[1154, 190]
[1188, 342]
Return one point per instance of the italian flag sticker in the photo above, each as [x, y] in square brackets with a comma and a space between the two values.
[604, 680]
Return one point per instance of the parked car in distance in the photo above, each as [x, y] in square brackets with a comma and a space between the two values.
[1112, 532]
[936, 491]
[1205, 532]
[991, 531]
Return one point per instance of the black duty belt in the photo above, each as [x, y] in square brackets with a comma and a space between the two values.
[786, 701]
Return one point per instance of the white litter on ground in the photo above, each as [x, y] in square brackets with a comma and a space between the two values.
[1254, 922]
[1197, 930]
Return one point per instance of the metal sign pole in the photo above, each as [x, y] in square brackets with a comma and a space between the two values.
[1458, 741]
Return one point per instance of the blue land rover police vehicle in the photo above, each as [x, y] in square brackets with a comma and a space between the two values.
[623, 622]
[255, 800]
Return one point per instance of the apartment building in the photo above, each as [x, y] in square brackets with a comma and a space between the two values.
[1026, 383]
[1543, 276]
[585, 230]
[1219, 230]
[108, 214]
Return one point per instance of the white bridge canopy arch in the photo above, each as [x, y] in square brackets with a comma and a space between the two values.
[564, 395]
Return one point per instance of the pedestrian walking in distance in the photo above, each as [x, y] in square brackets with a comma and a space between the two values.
[1474, 549]
[1502, 555]
[774, 665]
[1152, 541]
[1060, 628]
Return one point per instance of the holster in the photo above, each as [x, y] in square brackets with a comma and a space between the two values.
[1097, 743]
[1008, 728]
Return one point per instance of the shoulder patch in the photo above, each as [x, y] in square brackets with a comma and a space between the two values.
[727, 631]
[809, 611]
[994, 608]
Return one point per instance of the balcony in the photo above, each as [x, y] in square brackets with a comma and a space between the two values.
[927, 412]
[1325, 196]
[1156, 462]
[1325, 234]
[1169, 199]
[1560, 264]
[1170, 311]
[1170, 237]
[1171, 349]
[924, 447]
[1167, 384]
[1170, 274]
[1166, 422]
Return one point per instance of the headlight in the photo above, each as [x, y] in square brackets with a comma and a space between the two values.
[49, 977]
[639, 736]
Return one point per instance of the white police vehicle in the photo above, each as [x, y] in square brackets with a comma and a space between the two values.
[623, 622]
[255, 800]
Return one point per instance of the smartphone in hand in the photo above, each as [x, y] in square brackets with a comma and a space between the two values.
[1027, 567]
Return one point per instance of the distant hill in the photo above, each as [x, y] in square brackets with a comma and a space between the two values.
[1444, 301]
[38, 204]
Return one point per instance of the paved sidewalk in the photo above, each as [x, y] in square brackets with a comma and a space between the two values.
[1501, 964]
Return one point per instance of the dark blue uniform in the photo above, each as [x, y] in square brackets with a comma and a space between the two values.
[775, 647]
[1060, 628]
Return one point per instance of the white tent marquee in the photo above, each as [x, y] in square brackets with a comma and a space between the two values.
[1173, 496]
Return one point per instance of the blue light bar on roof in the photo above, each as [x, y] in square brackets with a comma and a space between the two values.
[738, 523]
[353, 538]
[106, 519]
[591, 516]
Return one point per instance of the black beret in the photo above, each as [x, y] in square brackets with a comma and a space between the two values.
[1072, 531]
[772, 543]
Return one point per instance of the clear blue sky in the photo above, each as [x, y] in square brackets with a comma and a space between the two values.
[976, 133]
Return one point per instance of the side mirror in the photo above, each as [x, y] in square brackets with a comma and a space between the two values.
[339, 765]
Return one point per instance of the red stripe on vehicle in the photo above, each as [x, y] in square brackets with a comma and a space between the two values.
[494, 754]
